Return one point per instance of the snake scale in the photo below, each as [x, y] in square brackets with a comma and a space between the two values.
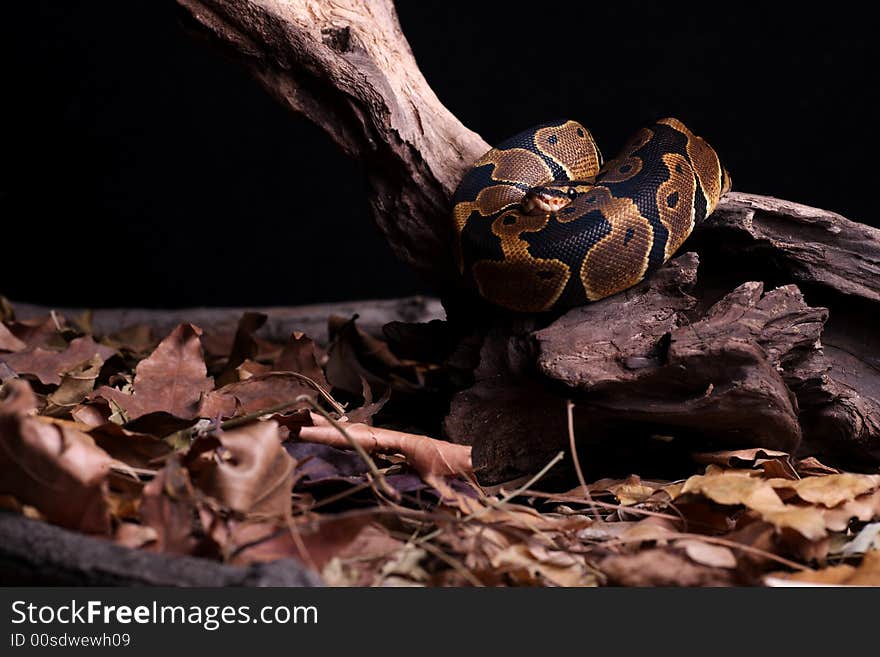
[542, 224]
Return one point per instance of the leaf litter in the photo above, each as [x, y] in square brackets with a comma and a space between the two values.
[234, 448]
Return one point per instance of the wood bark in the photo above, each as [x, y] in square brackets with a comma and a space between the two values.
[706, 354]
[34, 553]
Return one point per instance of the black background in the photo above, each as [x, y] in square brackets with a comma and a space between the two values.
[140, 167]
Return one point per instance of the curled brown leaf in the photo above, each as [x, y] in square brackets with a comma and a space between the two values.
[56, 469]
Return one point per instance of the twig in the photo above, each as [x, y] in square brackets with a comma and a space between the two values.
[569, 411]
[256, 415]
[553, 497]
[339, 408]
[374, 471]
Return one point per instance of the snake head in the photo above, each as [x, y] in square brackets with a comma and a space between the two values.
[543, 199]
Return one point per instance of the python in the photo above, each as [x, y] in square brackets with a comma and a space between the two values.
[541, 223]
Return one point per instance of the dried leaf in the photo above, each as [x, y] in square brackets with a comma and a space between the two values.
[740, 488]
[244, 346]
[138, 340]
[255, 394]
[707, 554]
[138, 450]
[733, 488]
[76, 384]
[364, 413]
[8, 342]
[56, 469]
[830, 490]
[171, 380]
[807, 521]
[251, 368]
[662, 567]
[535, 565]
[172, 509]
[774, 463]
[629, 491]
[245, 469]
[300, 354]
[811, 467]
[48, 365]
[315, 542]
[42, 332]
[17, 396]
[355, 356]
[863, 508]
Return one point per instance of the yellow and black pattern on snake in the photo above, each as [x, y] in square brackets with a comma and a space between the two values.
[542, 223]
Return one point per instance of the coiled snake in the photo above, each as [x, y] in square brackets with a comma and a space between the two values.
[542, 224]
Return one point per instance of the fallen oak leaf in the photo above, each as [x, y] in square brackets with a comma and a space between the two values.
[171, 380]
[48, 365]
[56, 469]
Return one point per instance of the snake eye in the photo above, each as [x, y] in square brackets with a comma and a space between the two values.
[572, 193]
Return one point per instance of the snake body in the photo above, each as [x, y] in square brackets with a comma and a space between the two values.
[542, 224]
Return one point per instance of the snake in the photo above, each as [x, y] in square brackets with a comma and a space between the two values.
[542, 223]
